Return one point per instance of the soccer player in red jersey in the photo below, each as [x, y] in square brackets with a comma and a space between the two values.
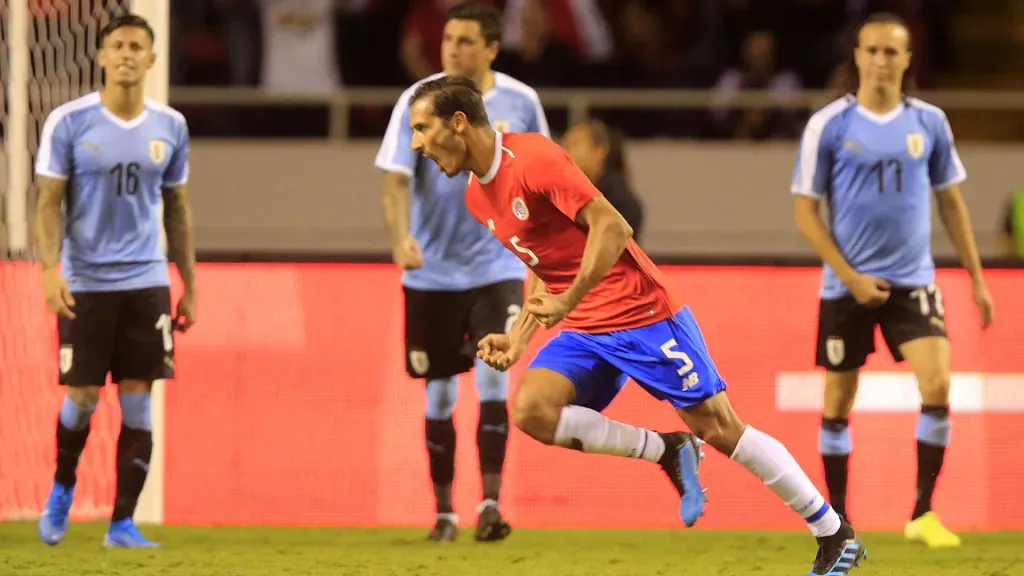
[619, 318]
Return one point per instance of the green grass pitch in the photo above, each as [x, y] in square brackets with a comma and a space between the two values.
[189, 551]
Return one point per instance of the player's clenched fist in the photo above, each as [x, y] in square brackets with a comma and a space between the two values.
[407, 254]
[498, 351]
[869, 291]
[58, 295]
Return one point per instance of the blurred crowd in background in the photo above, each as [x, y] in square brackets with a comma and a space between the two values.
[724, 45]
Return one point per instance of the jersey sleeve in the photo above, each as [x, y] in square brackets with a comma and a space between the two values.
[177, 169]
[813, 168]
[944, 166]
[396, 153]
[56, 145]
[538, 120]
[552, 175]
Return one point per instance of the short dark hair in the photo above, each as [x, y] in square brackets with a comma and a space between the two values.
[885, 18]
[613, 140]
[451, 94]
[126, 21]
[484, 14]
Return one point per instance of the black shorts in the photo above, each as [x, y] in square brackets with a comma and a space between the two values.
[128, 334]
[846, 330]
[442, 328]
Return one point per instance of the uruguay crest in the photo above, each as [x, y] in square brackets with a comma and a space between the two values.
[835, 349]
[915, 144]
[157, 151]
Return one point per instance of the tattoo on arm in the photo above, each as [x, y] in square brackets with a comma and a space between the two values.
[396, 205]
[181, 242]
[50, 220]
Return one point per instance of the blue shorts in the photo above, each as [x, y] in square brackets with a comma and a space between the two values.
[668, 359]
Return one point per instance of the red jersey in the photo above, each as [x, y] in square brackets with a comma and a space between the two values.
[529, 199]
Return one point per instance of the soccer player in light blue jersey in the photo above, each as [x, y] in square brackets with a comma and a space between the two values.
[460, 284]
[107, 163]
[876, 159]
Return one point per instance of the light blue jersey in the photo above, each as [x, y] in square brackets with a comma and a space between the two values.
[116, 172]
[458, 252]
[877, 174]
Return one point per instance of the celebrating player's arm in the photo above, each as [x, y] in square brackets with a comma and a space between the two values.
[397, 159]
[946, 173]
[810, 180]
[566, 187]
[563, 184]
[181, 240]
[501, 351]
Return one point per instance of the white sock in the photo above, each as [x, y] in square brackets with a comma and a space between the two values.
[769, 460]
[599, 435]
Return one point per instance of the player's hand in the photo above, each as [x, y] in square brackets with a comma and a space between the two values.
[549, 309]
[407, 254]
[984, 301]
[870, 291]
[499, 351]
[58, 295]
[186, 313]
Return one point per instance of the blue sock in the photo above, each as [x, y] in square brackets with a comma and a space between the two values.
[72, 434]
[933, 429]
[491, 384]
[834, 444]
[135, 410]
[441, 396]
[75, 417]
[440, 436]
[933, 425]
[134, 449]
[492, 428]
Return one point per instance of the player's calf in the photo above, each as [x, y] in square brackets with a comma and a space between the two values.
[492, 428]
[764, 456]
[134, 449]
[72, 434]
[541, 409]
[439, 433]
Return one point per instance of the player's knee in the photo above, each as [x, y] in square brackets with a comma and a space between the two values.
[441, 396]
[84, 395]
[491, 384]
[135, 411]
[78, 407]
[716, 423]
[934, 387]
[535, 417]
[840, 393]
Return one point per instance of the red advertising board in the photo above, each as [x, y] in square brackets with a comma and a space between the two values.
[291, 407]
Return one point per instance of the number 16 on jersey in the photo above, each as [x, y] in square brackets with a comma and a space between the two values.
[533, 261]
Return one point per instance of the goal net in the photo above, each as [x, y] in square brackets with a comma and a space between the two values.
[62, 42]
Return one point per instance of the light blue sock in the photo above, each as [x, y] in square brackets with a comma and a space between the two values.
[441, 396]
[834, 437]
[933, 426]
[75, 417]
[135, 410]
[491, 384]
